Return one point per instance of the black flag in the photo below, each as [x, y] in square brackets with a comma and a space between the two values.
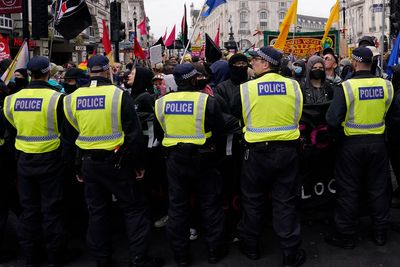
[159, 42]
[213, 53]
[72, 18]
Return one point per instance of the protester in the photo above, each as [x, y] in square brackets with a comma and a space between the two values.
[21, 79]
[346, 69]
[316, 89]
[73, 79]
[141, 84]
[299, 72]
[331, 63]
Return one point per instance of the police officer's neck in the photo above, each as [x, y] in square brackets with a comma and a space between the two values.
[266, 72]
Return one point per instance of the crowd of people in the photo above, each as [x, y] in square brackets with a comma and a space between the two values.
[168, 143]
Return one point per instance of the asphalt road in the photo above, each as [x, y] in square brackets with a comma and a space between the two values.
[366, 254]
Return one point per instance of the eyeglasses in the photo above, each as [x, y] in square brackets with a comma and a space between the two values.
[240, 64]
[329, 59]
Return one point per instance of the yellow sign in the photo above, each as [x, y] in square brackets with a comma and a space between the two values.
[304, 46]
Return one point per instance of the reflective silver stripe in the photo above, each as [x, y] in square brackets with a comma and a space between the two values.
[297, 104]
[272, 129]
[199, 116]
[229, 141]
[114, 111]
[246, 102]
[160, 113]
[350, 95]
[365, 126]
[37, 138]
[150, 133]
[109, 137]
[390, 94]
[8, 108]
[186, 136]
[68, 108]
[51, 110]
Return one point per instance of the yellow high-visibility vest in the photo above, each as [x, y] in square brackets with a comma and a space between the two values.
[182, 116]
[95, 112]
[33, 112]
[367, 101]
[272, 106]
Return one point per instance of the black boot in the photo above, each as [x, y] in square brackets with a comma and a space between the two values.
[146, 261]
[294, 258]
[340, 240]
[380, 237]
[217, 254]
[250, 249]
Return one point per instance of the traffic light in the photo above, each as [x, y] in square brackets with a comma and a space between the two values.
[394, 18]
[40, 18]
[117, 26]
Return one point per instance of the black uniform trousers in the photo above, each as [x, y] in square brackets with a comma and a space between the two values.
[394, 154]
[272, 165]
[362, 163]
[40, 188]
[189, 170]
[102, 180]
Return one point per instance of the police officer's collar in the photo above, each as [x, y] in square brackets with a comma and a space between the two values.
[101, 80]
[363, 74]
[39, 84]
[262, 74]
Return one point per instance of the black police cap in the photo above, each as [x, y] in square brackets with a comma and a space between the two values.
[362, 54]
[269, 54]
[185, 71]
[39, 64]
[98, 63]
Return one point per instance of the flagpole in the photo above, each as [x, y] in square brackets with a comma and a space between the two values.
[194, 29]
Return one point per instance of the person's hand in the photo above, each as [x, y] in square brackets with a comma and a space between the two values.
[79, 178]
[140, 174]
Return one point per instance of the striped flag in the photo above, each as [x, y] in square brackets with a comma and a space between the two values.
[20, 61]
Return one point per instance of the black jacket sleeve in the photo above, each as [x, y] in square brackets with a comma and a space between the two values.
[393, 120]
[336, 113]
[134, 141]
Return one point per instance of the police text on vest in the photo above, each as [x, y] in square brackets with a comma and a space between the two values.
[367, 93]
[90, 102]
[28, 104]
[179, 107]
[271, 88]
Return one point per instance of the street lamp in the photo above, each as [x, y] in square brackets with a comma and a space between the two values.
[134, 20]
[231, 44]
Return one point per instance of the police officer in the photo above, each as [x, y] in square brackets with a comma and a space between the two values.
[271, 107]
[104, 125]
[34, 115]
[359, 111]
[189, 119]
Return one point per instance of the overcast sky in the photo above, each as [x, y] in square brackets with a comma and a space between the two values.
[166, 13]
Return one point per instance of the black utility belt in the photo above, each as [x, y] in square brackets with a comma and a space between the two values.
[192, 148]
[291, 143]
[98, 154]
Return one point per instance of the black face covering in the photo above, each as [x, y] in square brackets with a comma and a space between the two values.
[317, 74]
[20, 83]
[69, 89]
[238, 74]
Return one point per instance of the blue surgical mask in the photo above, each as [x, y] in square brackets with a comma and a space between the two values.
[298, 70]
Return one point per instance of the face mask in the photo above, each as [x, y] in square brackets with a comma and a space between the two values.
[20, 82]
[156, 91]
[298, 70]
[69, 88]
[238, 74]
[317, 74]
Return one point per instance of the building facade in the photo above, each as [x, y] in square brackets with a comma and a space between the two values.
[79, 48]
[247, 18]
[361, 20]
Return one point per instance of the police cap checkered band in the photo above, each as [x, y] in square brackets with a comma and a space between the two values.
[100, 68]
[45, 70]
[267, 57]
[98, 63]
[189, 75]
[357, 58]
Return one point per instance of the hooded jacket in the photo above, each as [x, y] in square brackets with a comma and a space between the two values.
[311, 94]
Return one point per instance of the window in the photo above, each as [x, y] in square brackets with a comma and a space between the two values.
[263, 25]
[282, 4]
[372, 19]
[263, 5]
[244, 20]
[243, 4]
[263, 15]
[281, 16]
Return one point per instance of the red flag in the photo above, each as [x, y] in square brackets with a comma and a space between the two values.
[165, 35]
[106, 39]
[216, 39]
[142, 27]
[171, 38]
[138, 51]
